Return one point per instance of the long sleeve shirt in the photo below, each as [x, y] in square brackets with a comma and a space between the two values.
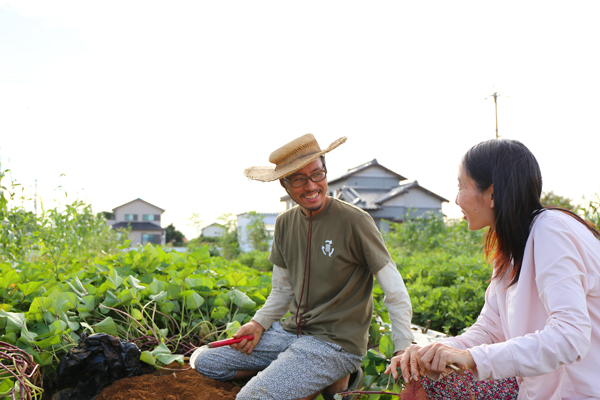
[396, 301]
[545, 329]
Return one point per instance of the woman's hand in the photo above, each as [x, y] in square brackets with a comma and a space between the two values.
[408, 361]
[437, 356]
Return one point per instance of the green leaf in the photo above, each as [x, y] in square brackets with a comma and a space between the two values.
[6, 384]
[373, 356]
[27, 336]
[8, 278]
[10, 338]
[126, 295]
[87, 304]
[135, 283]
[167, 307]
[240, 317]
[386, 346]
[164, 355]
[106, 326]
[148, 358]
[194, 301]
[368, 380]
[157, 286]
[219, 313]
[51, 340]
[114, 279]
[111, 300]
[198, 280]
[15, 321]
[89, 328]
[44, 358]
[137, 314]
[241, 300]
[232, 327]
[29, 287]
[158, 297]
[61, 302]
[173, 290]
[186, 272]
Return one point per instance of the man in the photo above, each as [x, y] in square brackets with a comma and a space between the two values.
[325, 253]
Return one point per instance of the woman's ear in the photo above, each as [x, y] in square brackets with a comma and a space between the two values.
[491, 189]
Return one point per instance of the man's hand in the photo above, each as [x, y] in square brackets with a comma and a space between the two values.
[251, 328]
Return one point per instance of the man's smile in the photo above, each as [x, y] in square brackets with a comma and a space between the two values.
[311, 196]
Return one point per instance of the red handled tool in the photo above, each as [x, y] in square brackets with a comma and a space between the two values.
[227, 342]
[219, 343]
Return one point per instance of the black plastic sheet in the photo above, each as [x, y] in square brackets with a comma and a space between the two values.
[96, 362]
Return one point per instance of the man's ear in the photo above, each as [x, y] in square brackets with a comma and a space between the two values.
[282, 183]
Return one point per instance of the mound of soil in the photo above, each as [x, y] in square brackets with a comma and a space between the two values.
[181, 384]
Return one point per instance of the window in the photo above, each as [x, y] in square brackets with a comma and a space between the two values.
[150, 238]
[151, 217]
[130, 217]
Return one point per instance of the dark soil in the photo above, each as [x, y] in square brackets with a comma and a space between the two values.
[182, 384]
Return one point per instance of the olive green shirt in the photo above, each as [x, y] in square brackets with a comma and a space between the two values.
[347, 249]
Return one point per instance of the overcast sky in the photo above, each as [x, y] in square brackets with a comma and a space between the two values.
[171, 101]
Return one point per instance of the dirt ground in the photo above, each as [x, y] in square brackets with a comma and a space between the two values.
[169, 385]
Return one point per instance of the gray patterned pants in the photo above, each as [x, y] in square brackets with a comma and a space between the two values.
[291, 367]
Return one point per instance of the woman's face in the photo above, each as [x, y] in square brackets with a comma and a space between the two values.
[477, 207]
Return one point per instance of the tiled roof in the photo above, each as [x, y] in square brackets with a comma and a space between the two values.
[373, 198]
[361, 167]
[129, 202]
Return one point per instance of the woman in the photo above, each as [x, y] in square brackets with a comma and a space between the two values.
[541, 318]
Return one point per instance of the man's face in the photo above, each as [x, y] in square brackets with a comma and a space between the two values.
[313, 195]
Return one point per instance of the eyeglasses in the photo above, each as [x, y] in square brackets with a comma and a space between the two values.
[300, 180]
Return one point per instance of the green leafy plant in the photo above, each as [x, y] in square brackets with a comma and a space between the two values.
[257, 233]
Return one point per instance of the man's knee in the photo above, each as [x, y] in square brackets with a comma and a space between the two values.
[213, 365]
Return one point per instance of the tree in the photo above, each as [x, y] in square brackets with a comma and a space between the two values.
[196, 222]
[552, 199]
[106, 214]
[174, 236]
[228, 243]
[257, 232]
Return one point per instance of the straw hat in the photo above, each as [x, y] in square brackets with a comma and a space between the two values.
[290, 158]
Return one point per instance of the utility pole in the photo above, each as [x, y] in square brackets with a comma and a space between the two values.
[495, 95]
[35, 199]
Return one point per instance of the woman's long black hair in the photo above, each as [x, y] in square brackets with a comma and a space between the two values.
[517, 180]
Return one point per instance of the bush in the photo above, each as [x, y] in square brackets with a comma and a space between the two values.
[256, 259]
[444, 270]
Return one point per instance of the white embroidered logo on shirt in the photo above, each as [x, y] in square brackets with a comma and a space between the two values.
[327, 249]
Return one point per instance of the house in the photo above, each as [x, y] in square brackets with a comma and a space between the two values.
[243, 220]
[143, 220]
[380, 192]
[213, 230]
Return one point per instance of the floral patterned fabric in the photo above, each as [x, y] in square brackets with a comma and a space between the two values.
[459, 387]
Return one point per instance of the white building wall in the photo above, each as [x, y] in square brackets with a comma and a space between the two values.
[213, 231]
[136, 237]
[137, 207]
[242, 224]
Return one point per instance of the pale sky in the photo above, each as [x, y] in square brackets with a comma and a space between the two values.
[171, 101]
